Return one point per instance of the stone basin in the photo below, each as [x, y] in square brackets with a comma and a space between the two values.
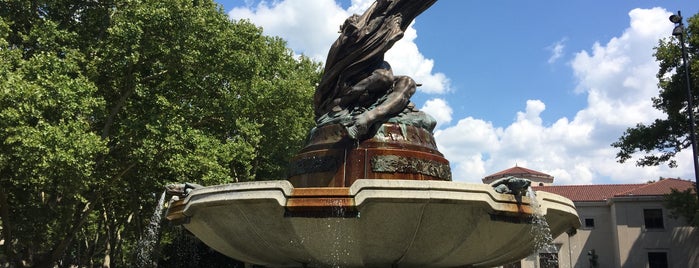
[372, 223]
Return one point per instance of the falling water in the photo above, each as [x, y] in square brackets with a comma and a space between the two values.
[339, 249]
[543, 240]
[147, 243]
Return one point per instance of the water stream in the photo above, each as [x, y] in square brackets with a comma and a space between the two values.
[339, 251]
[543, 240]
[148, 241]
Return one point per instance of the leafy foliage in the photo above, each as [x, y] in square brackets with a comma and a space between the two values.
[102, 103]
[664, 138]
[683, 204]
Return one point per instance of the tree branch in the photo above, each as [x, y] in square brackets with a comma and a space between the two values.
[61, 247]
[113, 112]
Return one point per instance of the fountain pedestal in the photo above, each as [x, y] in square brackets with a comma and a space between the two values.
[396, 151]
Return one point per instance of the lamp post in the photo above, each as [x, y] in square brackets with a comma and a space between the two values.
[679, 31]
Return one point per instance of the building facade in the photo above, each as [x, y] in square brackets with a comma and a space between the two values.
[622, 225]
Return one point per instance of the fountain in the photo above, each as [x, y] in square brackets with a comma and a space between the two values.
[370, 188]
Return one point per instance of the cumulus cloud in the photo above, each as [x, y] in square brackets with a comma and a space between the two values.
[408, 60]
[439, 109]
[618, 79]
[311, 26]
[308, 26]
[468, 146]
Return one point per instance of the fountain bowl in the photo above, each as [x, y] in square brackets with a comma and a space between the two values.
[372, 223]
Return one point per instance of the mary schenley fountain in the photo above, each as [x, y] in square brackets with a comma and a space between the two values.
[370, 188]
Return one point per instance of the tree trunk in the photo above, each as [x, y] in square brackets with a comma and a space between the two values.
[7, 229]
[107, 255]
[108, 248]
[59, 249]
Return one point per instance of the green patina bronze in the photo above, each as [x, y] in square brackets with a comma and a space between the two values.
[402, 164]
[511, 185]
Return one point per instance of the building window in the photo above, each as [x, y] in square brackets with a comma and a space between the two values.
[657, 260]
[548, 260]
[653, 218]
[589, 223]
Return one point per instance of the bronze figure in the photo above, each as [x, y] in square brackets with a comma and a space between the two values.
[358, 89]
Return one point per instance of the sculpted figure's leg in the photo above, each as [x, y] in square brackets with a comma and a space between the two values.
[380, 80]
[403, 88]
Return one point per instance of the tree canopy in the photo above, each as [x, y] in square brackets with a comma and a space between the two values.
[664, 138]
[683, 204]
[102, 103]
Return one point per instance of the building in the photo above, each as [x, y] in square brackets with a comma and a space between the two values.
[622, 225]
[537, 178]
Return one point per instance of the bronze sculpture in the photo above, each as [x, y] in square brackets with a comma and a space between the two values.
[358, 88]
[366, 126]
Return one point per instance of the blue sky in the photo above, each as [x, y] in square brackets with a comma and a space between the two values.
[546, 85]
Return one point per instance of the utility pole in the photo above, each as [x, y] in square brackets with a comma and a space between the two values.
[679, 31]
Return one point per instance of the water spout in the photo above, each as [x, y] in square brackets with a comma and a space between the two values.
[543, 240]
[181, 189]
[512, 185]
[147, 244]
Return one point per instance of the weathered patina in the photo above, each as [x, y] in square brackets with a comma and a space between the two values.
[511, 185]
[358, 89]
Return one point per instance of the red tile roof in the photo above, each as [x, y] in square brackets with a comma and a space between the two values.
[601, 192]
[660, 187]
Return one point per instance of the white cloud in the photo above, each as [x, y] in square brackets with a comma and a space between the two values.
[617, 76]
[439, 109]
[405, 58]
[311, 26]
[467, 145]
[556, 50]
[618, 79]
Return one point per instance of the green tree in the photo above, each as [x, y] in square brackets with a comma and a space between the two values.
[683, 204]
[664, 138]
[48, 150]
[102, 103]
